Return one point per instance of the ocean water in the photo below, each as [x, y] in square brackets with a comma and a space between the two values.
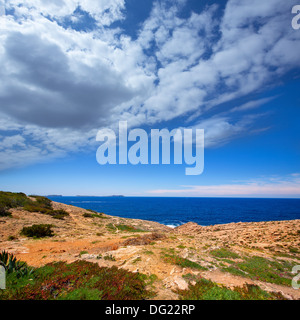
[177, 211]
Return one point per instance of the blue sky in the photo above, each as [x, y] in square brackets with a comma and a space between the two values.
[70, 68]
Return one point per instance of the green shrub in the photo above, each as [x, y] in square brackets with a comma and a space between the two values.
[38, 231]
[4, 212]
[93, 214]
[109, 257]
[41, 204]
[44, 205]
[87, 215]
[10, 200]
[58, 214]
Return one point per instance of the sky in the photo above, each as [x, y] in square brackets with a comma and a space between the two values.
[70, 68]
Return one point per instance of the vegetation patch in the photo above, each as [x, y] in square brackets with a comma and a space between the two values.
[93, 214]
[182, 262]
[44, 205]
[259, 268]
[80, 280]
[109, 257]
[4, 212]
[38, 231]
[208, 290]
[124, 228]
[224, 253]
[9, 200]
[147, 239]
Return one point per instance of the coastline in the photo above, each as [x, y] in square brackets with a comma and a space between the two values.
[146, 247]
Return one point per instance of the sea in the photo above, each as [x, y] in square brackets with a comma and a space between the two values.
[177, 211]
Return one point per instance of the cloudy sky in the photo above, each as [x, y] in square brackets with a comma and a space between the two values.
[70, 68]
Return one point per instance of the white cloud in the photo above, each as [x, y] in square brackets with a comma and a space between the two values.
[104, 11]
[285, 187]
[57, 83]
[252, 104]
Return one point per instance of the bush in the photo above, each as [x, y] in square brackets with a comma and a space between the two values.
[93, 214]
[10, 200]
[4, 212]
[44, 205]
[41, 204]
[38, 231]
[58, 214]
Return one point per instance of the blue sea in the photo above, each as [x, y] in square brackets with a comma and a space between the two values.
[177, 211]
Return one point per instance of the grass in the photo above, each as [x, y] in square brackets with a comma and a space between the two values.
[138, 259]
[182, 262]
[208, 290]
[259, 268]
[123, 228]
[93, 214]
[224, 253]
[293, 250]
[80, 280]
[148, 252]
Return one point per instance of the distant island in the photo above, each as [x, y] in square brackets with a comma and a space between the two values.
[54, 195]
[112, 196]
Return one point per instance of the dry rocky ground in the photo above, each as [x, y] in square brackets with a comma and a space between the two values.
[155, 250]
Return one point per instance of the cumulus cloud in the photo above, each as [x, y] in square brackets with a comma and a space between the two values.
[104, 11]
[64, 81]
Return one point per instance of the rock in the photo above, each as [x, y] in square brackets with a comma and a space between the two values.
[181, 283]
[88, 256]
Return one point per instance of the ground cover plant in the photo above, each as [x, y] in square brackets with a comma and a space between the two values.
[80, 280]
[208, 290]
